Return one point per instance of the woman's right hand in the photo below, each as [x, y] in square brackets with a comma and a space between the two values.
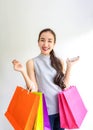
[17, 65]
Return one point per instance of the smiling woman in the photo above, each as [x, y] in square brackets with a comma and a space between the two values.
[46, 41]
[46, 71]
[20, 22]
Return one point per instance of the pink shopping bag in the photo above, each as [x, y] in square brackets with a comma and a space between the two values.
[72, 110]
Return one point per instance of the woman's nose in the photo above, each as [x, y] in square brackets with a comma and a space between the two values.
[45, 43]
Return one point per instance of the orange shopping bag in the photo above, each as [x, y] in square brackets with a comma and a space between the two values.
[22, 109]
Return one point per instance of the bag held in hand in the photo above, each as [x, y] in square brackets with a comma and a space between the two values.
[71, 108]
[22, 109]
[42, 119]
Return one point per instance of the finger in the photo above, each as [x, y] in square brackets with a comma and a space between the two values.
[14, 61]
[74, 59]
[68, 59]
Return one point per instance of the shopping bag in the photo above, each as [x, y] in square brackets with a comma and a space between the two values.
[42, 119]
[39, 122]
[22, 109]
[46, 117]
[72, 110]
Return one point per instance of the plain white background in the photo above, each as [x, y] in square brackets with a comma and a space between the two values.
[20, 23]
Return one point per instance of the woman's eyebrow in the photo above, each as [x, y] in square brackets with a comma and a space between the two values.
[50, 39]
[42, 38]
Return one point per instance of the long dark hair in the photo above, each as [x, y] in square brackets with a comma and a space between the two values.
[55, 62]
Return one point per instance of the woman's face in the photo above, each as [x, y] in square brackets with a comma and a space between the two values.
[46, 42]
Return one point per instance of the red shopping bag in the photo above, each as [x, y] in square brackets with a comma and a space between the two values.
[72, 110]
[22, 109]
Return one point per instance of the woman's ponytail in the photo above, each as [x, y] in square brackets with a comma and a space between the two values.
[56, 63]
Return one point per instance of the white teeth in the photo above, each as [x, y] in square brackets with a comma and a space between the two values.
[45, 49]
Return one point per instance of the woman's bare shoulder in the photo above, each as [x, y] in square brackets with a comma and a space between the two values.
[30, 63]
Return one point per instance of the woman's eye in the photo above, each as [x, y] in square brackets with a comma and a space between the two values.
[42, 40]
[50, 41]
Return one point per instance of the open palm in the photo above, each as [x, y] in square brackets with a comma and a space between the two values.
[17, 65]
[72, 60]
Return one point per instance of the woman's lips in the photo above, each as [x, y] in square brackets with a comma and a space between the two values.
[45, 48]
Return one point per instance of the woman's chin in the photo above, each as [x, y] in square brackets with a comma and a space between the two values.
[45, 53]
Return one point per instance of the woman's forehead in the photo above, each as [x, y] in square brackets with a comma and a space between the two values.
[48, 35]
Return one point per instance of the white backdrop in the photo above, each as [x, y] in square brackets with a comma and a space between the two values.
[20, 23]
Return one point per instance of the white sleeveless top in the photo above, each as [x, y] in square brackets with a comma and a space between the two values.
[45, 74]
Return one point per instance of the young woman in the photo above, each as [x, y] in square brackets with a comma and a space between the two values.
[45, 73]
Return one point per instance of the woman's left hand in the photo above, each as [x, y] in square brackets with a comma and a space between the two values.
[71, 61]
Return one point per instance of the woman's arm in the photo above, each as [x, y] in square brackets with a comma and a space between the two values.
[69, 63]
[19, 67]
[31, 73]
